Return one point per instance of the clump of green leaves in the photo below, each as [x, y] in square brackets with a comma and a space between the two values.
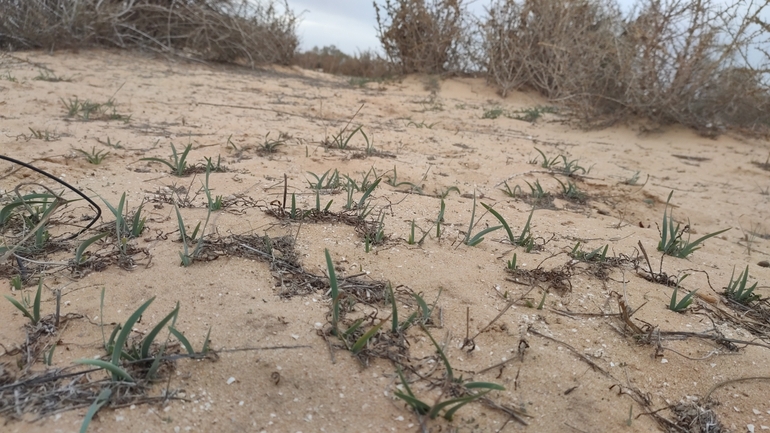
[737, 291]
[270, 145]
[672, 242]
[466, 390]
[88, 110]
[681, 305]
[597, 255]
[176, 162]
[24, 306]
[475, 240]
[94, 157]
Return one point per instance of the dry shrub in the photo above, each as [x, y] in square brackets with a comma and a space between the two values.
[559, 48]
[329, 59]
[213, 30]
[421, 36]
[671, 61]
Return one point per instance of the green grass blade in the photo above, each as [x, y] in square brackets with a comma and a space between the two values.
[394, 308]
[150, 338]
[38, 295]
[100, 401]
[126, 331]
[21, 308]
[423, 306]
[450, 373]
[369, 192]
[206, 341]
[484, 385]
[502, 221]
[182, 339]
[116, 371]
[162, 161]
[419, 406]
[458, 402]
[480, 236]
[690, 247]
[334, 290]
[85, 244]
[359, 345]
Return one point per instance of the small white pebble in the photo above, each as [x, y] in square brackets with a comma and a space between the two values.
[240, 403]
[230, 381]
[295, 336]
[399, 418]
[664, 361]
[750, 428]
[756, 412]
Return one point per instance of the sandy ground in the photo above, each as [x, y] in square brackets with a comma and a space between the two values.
[573, 366]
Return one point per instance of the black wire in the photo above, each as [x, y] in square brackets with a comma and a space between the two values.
[72, 188]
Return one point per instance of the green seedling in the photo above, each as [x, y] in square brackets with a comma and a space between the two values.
[124, 228]
[333, 181]
[737, 291]
[537, 192]
[94, 157]
[547, 163]
[633, 179]
[340, 141]
[186, 343]
[571, 191]
[475, 240]
[531, 114]
[440, 219]
[186, 256]
[214, 204]
[102, 399]
[34, 315]
[671, 241]
[177, 162]
[493, 113]
[269, 145]
[87, 110]
[542, 300]
[16, 283]
[445, 193]
[48, 355]
[512, 193]
[335, 293]
[448, 406]
[570, 168]
[511, 264]
[393, 181]
[681, 305]
[598, 255]
[84, 245]
[40, 135]
[49, 76]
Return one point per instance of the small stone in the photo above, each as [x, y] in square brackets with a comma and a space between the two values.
[664, 361]
[756, 412]
[764, 264]
[230, 381]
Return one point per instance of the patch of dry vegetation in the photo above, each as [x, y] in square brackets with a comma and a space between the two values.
[694, 63]
[331, 60]
[211, 30]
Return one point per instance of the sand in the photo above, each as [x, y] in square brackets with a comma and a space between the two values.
[572, 365]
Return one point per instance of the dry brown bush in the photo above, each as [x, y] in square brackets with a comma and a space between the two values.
[671, 61]
[421, 36]
[213, 30]
[331, 60]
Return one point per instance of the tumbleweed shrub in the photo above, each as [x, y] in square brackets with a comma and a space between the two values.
[699, 63]
[423, 35]
[251, 31]
[329, 59]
